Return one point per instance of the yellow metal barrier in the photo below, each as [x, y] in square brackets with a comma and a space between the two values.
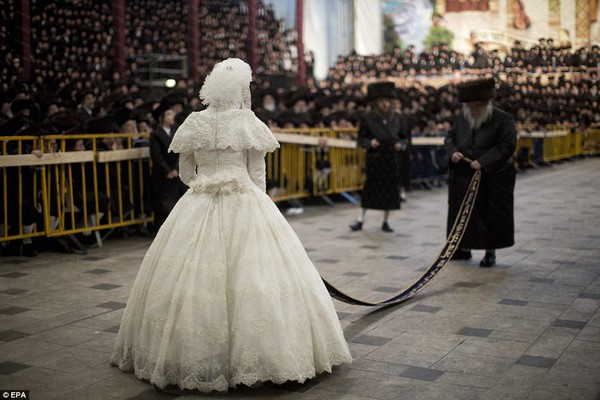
[557, 145]
[547, 146]
[591, 142]
[87, 189]
[577, 143]
[104, 187]
[79, 191]
[98, 193]
[294, 166]
[19, 186]
[286, 172]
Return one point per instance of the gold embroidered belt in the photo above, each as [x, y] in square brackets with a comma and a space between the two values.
[450, 247]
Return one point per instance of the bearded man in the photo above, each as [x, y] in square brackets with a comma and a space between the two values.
[484, 138]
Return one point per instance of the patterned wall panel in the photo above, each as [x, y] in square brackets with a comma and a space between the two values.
[554, 12]
[582, 23]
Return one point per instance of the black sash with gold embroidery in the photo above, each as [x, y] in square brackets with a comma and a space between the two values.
[451, 245]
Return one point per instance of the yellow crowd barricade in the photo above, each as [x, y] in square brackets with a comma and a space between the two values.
[590, 142]
[342, 170]
[93, 189]
[76, 191]
[90, 190]
[286, 170]
[550, 145]
[577, 143]
[20, 160]
[557, 145]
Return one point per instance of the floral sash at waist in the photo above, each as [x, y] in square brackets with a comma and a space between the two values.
[220, 184]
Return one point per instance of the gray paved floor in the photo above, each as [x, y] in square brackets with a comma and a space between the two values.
[526, 329]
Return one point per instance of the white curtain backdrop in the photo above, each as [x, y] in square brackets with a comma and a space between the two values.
[327, 31]
[316, 27]
[285, 9]
[368, 27]
[336, 27]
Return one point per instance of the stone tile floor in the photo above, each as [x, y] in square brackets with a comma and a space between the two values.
[528, 328]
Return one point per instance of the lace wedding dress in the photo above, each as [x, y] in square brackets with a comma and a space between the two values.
[226, 294]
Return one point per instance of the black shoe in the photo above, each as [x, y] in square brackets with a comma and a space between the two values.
[489, 260]
[28, 251]
[462, 255]
[357, 226]
[386, 228]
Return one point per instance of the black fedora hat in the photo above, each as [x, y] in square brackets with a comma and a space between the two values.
[160, 110]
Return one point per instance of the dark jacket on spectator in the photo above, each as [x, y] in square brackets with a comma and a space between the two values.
[381, 187]
[165, 192]
[492, 223]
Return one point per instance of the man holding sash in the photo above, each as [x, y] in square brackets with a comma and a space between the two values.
[484, 138]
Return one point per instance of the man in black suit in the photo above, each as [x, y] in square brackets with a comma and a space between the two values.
[384, 133]
[87, 102]
[165, 183]
[483, 138]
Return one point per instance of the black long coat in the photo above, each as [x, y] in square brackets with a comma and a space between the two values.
[165, 192]
[382, 164]
[492, 222]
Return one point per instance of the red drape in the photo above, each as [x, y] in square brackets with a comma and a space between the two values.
[24, 37]
[193, 41]
[119, 37]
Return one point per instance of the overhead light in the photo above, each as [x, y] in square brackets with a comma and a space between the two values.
[170, 83]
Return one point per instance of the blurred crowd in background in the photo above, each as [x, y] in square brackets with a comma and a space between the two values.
[73, 86]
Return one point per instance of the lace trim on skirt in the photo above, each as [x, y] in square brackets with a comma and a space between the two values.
[207, 376]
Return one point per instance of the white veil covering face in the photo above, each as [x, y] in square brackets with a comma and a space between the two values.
[228, 85]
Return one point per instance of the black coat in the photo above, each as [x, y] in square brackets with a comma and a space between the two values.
[165, 192]
[84, 115]
[382, 164]
[492, 221]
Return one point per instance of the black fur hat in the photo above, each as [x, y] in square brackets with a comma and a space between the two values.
[122, 101]
[122, 115]
[381, 89]
[19, 105]
[101, 125]
[65, 122]
[476, 90]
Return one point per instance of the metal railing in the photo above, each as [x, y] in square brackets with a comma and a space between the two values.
[106, 186]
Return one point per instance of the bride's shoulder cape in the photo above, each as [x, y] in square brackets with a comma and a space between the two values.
[217, 130]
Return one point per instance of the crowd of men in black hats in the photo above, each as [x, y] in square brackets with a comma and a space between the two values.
[541, 85]
[71, 67]
[72, 46]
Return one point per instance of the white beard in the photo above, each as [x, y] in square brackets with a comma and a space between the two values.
[475, 121]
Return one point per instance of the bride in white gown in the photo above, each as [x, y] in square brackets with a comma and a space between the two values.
[226, 294]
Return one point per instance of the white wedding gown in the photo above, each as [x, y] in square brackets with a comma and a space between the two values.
[226, 294]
